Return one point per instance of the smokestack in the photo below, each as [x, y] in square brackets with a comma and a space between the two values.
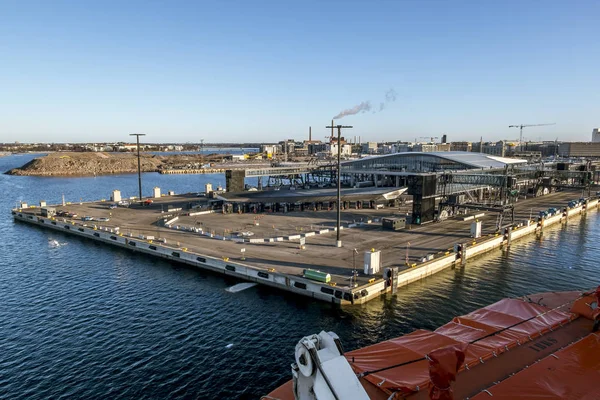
[331, 131]
[310, 134]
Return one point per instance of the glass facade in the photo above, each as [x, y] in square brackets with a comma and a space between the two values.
[406, 162]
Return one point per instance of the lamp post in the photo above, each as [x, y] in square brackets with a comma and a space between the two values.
[338, 242]
[407, 247]
[137, 135]
[354, 274]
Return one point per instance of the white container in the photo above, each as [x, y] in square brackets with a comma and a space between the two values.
[116, 195]
[476, 229]
[372, 262]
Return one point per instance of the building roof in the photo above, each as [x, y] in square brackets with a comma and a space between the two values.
[469, 159]
[312, 195]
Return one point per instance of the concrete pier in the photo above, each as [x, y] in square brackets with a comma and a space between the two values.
[279, 246]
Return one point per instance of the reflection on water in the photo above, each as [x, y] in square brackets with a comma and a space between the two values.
[91, 321]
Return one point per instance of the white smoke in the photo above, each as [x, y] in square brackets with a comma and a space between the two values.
[390, 96]
[362, 107]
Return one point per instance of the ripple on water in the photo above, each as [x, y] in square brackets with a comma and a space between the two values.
[88, 321]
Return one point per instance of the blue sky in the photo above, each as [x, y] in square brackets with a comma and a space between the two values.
[229, 71]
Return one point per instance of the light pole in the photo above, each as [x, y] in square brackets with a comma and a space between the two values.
[407, 247]
[338, 242]
[354, 253]
[137, 135]
[530, 213]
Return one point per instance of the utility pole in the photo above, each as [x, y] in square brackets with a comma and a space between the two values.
[137, 135]
[338, 242]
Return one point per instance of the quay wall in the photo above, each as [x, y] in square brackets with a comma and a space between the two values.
[484, 245]
[268, 277]
[296, 284]
[192, 171]
[427, 269]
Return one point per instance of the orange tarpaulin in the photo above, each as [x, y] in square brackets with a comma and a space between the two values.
[571, 373]
[443, 367]
[482, 326]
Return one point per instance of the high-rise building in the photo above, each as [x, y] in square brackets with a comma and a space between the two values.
[596, 135]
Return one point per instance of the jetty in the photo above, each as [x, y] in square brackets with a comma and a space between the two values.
[274, 248]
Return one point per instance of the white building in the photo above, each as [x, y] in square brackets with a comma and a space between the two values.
[270, 148]
[425, 147]
[345, 151]
[370, 147]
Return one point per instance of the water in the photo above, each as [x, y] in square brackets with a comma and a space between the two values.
[83, 320]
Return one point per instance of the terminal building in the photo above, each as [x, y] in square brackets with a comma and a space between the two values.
[419, 162]
[420, 173]
[375, 180]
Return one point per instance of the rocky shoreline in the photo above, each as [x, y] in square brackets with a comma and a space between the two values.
[91, 164]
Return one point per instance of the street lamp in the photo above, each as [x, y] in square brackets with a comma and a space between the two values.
[338, 242]
[354, 274]
[137, 135]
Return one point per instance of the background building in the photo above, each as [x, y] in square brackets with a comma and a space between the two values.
[369, 148]
[579, 149]
[461, 146]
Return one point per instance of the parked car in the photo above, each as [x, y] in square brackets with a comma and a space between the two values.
[113, 206]
[103, 219]
[87, 218]
[147, 202]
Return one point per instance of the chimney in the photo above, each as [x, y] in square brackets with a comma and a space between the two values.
[310, 134]
[331, 131]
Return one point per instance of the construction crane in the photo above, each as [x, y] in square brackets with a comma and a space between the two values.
[429, 137]
[526, 126]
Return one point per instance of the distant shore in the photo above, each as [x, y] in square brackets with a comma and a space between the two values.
[97, 163]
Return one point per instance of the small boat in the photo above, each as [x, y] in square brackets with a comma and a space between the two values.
[53, 243]
[545, 345]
